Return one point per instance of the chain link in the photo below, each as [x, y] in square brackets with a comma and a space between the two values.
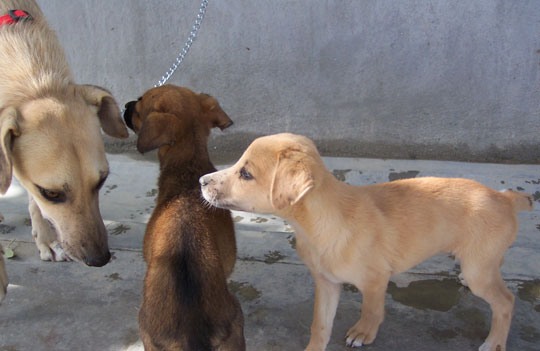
[187, 45]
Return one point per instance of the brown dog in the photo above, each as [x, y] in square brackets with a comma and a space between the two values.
[364, 234]
[189, 248]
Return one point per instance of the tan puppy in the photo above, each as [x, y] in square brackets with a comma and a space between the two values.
[189, 247]
[50, 137]
[364, 234]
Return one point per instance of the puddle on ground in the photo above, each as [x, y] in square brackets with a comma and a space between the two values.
[120, 229]
[109, 188]
[529, 291]
[151, 193]
[529, 333]
[245, 290]
[237, 219]
[431, 294]
[259, 315]
[292, 241]
[442, 334]
[114, 276]
[402, 175]
[259, 220]
[273, 257]
[6, 229]
[475, 320]
[340, 174]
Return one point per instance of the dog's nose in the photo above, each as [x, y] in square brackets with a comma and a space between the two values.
[98, 261]
[203, 181]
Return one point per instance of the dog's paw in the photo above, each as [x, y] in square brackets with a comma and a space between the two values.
[363, 333]
[53, 252]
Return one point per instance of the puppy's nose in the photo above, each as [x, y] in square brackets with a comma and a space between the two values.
[203, 181]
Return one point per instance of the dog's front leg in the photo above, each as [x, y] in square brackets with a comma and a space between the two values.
[45, 235]
[3, 276]
[326, 300]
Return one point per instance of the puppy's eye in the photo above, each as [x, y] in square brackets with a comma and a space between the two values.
[51, 195]
[244, 174]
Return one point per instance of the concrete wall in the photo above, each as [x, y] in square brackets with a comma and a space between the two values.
[390, 79]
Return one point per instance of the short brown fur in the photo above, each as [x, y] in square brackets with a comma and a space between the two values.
[364, 234]
[189, 247]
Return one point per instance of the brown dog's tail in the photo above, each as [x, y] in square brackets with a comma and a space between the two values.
[521, 201]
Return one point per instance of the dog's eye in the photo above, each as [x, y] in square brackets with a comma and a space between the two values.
[244, 174]
[51, 195]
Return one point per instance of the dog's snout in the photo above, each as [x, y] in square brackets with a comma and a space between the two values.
[98, 261]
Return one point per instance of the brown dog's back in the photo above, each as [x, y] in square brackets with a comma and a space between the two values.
[187, 305]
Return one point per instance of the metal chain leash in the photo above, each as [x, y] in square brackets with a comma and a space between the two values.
[187, 45]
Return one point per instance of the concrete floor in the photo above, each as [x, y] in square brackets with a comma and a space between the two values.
[68, 306]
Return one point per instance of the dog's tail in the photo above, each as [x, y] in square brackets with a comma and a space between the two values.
[521, 201]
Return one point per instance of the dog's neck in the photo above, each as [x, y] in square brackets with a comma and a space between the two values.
[311, 215]
[180, 170]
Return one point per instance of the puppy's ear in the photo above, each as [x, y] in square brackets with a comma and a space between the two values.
[213, 113]
[157, 129]
[292, 179]
[108, 111]
[9, 129]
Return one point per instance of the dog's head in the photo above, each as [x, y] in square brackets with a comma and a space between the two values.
[273, 174]
[171, 115]
[55, 148]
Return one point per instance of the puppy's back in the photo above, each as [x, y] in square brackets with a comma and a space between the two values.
[187, 305]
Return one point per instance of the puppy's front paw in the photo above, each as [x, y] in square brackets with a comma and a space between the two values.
[363, 333]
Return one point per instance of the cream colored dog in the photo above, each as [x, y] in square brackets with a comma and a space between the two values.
[364, 234]
[50, 138]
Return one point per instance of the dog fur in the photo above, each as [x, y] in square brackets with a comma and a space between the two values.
[50, 140]
[189, 247]
[364, 234]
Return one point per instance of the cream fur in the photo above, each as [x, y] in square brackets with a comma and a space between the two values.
[50, 137]
[364, 234]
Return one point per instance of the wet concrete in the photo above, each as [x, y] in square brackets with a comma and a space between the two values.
[67, 306]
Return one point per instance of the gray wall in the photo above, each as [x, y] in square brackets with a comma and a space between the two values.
[391, 79]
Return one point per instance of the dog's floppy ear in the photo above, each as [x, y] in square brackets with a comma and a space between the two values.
[8, 130]
[292, 179]
[108, 112]
[158, 129]
[213, 113]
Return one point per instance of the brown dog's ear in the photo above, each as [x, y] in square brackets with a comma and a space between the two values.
[158, 129]
[108, 112]
[292, 179]
[214, 114]
[8, 130]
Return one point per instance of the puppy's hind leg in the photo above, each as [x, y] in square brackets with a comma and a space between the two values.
[45, 235]
[373, 292]
[486, 282]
